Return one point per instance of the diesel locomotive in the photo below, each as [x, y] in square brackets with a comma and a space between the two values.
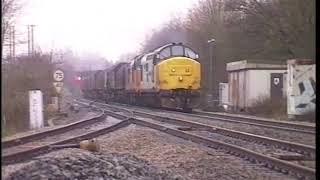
[168, 76]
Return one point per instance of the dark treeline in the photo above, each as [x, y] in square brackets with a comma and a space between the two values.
[274, 30]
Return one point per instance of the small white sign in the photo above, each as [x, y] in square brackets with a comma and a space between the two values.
[35, 109]
[58, 86]
[58, 75]
[276, 81]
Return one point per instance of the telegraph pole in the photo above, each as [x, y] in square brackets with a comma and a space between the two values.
[13, 44]
[32, 39]
[28, 40]
[10, 42]
[210, 94]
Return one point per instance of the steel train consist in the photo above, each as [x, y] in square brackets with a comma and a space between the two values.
[168, 76]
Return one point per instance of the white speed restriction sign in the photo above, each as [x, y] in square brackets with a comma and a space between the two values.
[58, 75]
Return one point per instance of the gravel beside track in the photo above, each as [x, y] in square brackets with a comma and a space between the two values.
[81, 164]
[84, 113]
[184, 158]
[265, 149]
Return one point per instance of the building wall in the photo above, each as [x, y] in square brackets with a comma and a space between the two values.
[247, 86]
[237, 87]
[301, 88]
[259, 85]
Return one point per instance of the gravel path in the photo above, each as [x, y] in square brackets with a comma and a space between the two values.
[84, 113]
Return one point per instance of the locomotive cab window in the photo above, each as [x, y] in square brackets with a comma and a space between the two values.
[150, 57]
[165, 53]
[189, 53]
[177, 51]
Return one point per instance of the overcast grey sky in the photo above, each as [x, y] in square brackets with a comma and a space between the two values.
[106, 27]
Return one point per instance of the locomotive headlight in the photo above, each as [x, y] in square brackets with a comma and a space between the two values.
[173, 70]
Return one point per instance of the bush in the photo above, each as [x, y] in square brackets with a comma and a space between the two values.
[16, 113]
[310, 116]
[18, 77]
[266, 107]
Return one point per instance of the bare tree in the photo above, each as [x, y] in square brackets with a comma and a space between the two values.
[127, 57]
[173, 31]
[9, 10]
[287, 26]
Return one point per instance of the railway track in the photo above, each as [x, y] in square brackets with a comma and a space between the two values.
[171, 126]
[308, 151]
[269, 162]
[307, 128]
[22, 148]
[51, 132]
[290, 126]
[285, 134]
[165, 124]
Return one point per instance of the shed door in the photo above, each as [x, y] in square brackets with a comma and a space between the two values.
[276, 85]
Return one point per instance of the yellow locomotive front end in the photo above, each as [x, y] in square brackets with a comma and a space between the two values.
[179, 73]
[178, 77]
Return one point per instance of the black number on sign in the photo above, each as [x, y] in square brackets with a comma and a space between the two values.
[58, 75]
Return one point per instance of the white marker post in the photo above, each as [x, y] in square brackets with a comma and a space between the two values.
[36, 109]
